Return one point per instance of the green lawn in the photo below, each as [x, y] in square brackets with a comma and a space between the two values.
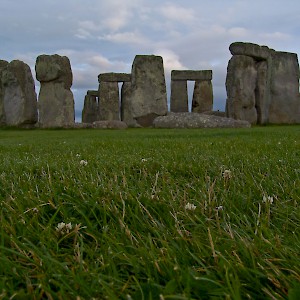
[150, 214]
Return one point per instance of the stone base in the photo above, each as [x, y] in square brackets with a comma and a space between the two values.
[113, 124]
[196, 120]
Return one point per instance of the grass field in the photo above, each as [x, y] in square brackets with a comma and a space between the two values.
[150, 214]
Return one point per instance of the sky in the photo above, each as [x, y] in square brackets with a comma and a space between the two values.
[101, 36]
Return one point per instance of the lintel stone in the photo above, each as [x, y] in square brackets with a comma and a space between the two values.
[93, 93]
[191, 75]
[249, 49]
[114, 77]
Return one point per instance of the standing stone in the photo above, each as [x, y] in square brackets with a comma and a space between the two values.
[109, 108]
[126, 105]
[179, 96]
[179, 93]
[262, 92]
[277, 98]
[202, 96]
[147, 97]
[3, 65]
[56, 101]
[90, 112]
[285, 105]
[19, 96]
[240, 85]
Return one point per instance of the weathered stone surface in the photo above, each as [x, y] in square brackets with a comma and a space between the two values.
[3, 65]
[82, 125]
[126, 105]
[109, 108]
[196, 120]
[93, 93]
[113, 124]
[56, 101]
[146, 97]
[240, 85]
[202, 96]
[262, 92]
[285, 104]
[249, 49]
[90, 112]
[215, 113]
[19, 96]
[114, 77]
[179, 96]
[276, 91]
[191, 75]
[110, 124]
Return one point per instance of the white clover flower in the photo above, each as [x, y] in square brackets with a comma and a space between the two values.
[64, 228]
[60, 226]
[226, 174]
[69, 226]
[268, 199]
[83, 162]
[190, 206]
[35, 210]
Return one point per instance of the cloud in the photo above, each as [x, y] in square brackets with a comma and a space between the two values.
[130, 38]
[177, 13]
[238, 32]
[171, 60]
[87, 65]
[86, 29]
[116, 14]
[276, 36]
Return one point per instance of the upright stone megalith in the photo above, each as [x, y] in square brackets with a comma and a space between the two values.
[109, 108]
[18, 95]
[179, 96]
[3, 65]
[126, 104]
[203, 93]
[202, 96]
[274, 97]
[240, 85]
[285, 104]
[90, 112]
[109, 98]
[56, 101]
[146, 96]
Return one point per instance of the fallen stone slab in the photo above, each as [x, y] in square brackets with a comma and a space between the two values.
[196, 120]
[215, 113]
[110, 124]
[82, 125]
[191, 75]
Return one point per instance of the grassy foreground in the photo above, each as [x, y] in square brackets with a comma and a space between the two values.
[150, 214]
